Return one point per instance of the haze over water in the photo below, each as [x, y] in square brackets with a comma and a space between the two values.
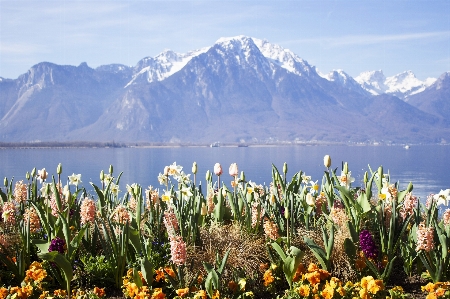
[426, 166]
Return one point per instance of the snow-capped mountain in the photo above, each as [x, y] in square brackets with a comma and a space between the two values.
[162, 66]
[239, 88]
[402, 85]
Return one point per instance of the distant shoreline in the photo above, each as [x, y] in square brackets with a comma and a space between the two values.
[81, 144]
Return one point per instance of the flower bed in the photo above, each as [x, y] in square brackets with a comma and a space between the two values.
[295, 238]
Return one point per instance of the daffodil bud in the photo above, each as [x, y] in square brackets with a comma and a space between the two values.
[327, 161]
[366, 177]
[380, 172]
[166, 170]
[208, 176]
[194, 168]
[345, 170]
[111, 169]
[285, 168]
[286, 213]
[59, 169]
[102, 175]
[27, 175]
[5, 182]
[33, 172]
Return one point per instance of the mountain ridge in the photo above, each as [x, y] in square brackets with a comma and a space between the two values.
[240, 89]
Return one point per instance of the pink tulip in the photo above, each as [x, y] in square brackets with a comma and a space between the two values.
[218, 169]
[233, 170]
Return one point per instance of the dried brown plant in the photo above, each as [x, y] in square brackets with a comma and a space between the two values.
[247, 251]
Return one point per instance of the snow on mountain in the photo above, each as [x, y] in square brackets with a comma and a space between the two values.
[372, 81]
[342, 78]
[283, 57]
[401, 85]
[163, 65]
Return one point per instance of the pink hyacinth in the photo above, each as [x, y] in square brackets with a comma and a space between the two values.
[446, 217]
[178, 250]
[409, 204]
[256, 217]
[271, 229]
[121, 215]
[31, 215]
[20, 192]
[87, 211]
[425, 237]
[171, 223]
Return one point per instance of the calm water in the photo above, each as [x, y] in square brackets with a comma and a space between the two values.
[426, 166]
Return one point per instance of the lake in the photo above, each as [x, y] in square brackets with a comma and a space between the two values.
[426, 166]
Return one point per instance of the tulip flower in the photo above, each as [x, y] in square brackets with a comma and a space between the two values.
[327, 161]
[233, 170]
[218, 169]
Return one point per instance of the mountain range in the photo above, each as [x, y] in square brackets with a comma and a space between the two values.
[239, 90]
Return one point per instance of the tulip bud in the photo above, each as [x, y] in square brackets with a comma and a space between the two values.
[233, 170]
[327, 161]
[59, 169]
[286, 213]
[194, 168]
[111, 169]
[242, 176]
[345, 170]
[27, 175]
[33, 172]
[285, 168]
[218, 169]
[5, 182]
[102, 175]
[204, 209]
[380, 172]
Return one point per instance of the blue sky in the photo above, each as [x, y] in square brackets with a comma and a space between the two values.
[355, 36]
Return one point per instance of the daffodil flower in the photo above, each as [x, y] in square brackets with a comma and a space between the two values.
[442, 198]
[346, 179]
[75, 179]
[186, 191]
[162, 179]
[166, 196]
[114, 189]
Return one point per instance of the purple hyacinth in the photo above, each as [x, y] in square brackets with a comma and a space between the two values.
[367, 244]
[57, 244]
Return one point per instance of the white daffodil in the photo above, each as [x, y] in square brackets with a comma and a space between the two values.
[75, 179]
[162, 179]
[166, 196]
[346, 179]
[108, 178]
[114, 189]
[183, 178]
[385, 194]
[185, 191]
[314, 188]
[306, 178]
[131, 188]
[442, 198]
[174, 169]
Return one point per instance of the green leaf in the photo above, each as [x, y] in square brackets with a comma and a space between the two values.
[62, 263]
[279, 250]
